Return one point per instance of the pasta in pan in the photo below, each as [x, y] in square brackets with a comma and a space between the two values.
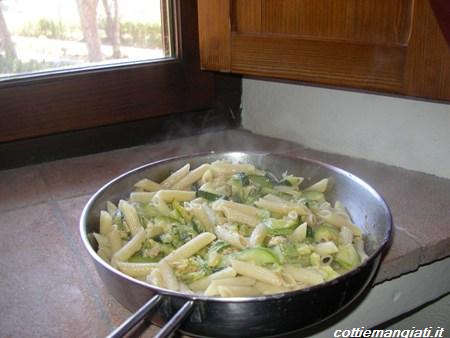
[231, 230]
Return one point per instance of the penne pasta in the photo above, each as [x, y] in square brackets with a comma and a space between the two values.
[179, 195]
[191, 247]
[229, 230]
[311, 219]
[234, 215]
[342, 209]
[320, 186]
[232, 237]
[168, 276]
[238, 291]
[315, 259]
[102, 240]
[286, 190]
[111, 208]
[304, 249]
[161, 206]
[190, 178]
[115, 240]
[221, 205]
[326, 260]
[345, 236]
[208, 176]
[359, 247]
[131, 216]
[203, 283]
[230, 168]
[288, 279]
[148, 185]
[258, 235]
[339, 220]
[105, 222]
[307, 276]
[329, 272]
[326, 248]
[175, 177]
[104, 253]
[299, 233]
[129, 249]
[257, 272]
[104, 247]
[184, 288]
[136, 269]
[155, 278]
[141, 197]
[280, 206]
[213, 290]
[201, 214]
[268, 289]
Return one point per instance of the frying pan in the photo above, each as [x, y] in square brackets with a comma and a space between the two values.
[261, 316]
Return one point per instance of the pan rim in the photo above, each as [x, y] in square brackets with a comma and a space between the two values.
[197, 297]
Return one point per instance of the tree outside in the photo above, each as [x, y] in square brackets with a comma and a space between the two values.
[55, 34]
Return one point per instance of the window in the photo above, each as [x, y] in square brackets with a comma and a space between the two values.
[59, 35]
[87, 97]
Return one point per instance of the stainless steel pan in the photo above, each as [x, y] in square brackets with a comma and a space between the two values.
[246, 316]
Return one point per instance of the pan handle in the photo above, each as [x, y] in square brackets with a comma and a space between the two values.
[165, 331]
[127, 325]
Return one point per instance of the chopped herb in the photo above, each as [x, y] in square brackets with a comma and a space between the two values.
[209, 196]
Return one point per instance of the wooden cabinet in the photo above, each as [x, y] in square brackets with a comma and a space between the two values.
[393, 46]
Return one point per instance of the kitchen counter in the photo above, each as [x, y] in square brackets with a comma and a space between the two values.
[49, 286]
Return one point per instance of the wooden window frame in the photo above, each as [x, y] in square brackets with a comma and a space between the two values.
[38, 106]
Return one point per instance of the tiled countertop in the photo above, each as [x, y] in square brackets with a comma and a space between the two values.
[49, 286]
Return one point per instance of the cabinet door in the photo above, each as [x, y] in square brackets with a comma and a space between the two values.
[393, 46]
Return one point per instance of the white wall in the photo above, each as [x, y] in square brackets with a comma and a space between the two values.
[408, 133]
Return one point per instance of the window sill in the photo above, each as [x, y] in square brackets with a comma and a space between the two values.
[41, 204]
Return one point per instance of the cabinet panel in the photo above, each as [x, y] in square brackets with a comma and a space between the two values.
[379, 22]
[428, 59]
[214, 34]
[393, 46]
[325, 62]
[246, 16]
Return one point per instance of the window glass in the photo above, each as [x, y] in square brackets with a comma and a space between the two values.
[56, 35]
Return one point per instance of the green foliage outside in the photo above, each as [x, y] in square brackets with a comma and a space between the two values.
[15, 66]
[142, 35]
[50, 29]
[133, 34]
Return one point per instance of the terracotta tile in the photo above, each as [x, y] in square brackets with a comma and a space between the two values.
[412, 244]
[403, 257]
[71, 209]
[21, 187]
[83, 175]
[70, 212]
[419, 202]
[382, 177]
[44, 290]
[118, 314]
[420, 205]
[404, 254]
